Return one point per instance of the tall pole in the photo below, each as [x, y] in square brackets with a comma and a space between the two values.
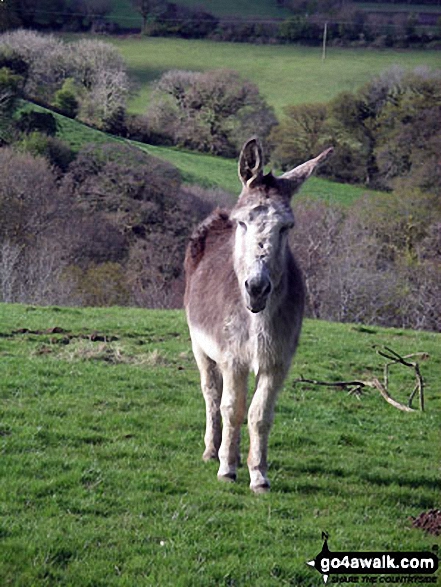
[325, 34]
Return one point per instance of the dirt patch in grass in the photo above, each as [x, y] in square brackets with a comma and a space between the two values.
[429, 521]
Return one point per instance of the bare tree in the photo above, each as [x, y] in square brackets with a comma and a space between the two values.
[10, 256]
[315, 242]
[100, 70]
[47, 59]
[146, 8]
[96, 67]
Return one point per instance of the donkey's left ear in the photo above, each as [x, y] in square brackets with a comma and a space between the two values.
[251, 163]
[301, 173]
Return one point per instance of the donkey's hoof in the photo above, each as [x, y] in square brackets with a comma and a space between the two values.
[263, 488]
[210, 455]
[227, 478]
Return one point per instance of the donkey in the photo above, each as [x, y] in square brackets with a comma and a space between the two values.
[244, 301]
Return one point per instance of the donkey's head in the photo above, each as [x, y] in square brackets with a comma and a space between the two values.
[263, 218]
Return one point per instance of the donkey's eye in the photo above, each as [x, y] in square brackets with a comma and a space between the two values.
[242, 225]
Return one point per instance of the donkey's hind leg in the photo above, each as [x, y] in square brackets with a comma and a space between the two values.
[211, 385]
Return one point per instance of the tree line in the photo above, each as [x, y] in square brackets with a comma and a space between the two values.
[107, 224]
[109, 230]
[347, 23]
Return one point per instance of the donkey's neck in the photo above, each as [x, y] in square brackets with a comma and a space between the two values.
[266, 331]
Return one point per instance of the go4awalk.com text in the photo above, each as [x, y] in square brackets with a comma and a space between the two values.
[364, 568]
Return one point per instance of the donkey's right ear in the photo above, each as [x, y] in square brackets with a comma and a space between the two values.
[251, 163]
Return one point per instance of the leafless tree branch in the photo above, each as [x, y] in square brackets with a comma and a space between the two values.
[356, 387]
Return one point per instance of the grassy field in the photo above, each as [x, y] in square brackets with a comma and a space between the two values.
[124, 14]
[285, 74]
[398, 7]
[102, 482]
[212, 172]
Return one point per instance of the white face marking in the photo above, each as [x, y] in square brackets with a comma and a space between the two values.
[260, 246]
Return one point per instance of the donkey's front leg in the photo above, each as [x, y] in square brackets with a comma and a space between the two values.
[211, 385]
[233, 407]
[260, 419]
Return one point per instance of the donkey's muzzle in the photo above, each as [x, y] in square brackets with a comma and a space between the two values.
[258, 290]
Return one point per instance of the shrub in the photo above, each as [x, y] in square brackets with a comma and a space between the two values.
[65, 99]
[212, 112]
[57, 153]
[41, 122]
[101, 285]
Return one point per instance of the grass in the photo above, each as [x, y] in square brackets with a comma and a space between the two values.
[124, 14]
[101, 436]
[285, 74]
[210, 172]
[397, 7]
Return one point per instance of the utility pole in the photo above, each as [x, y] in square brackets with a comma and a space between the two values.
[325, 34]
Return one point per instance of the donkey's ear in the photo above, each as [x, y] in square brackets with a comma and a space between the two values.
[251, 163]
[301, 173]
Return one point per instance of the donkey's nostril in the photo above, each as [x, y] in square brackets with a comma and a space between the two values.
[258, 288]
[267, 289]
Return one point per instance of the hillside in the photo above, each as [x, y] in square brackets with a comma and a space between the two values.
[197, 168]
[102, 435]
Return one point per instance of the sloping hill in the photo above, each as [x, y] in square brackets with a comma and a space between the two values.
[197, 168]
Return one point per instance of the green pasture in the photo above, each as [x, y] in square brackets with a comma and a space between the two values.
[285, 74]
[101, 437]
[212, 172]
[124, 14]
[398, 7]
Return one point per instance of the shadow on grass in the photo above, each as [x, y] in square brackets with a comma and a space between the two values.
[385, 479]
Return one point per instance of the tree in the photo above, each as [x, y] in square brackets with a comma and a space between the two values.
[213, 111]
[9, 93]
[99, 69]
[65, 99]
[409, 129]
[134, 215]
[89, 76]
[300, 136]
[9, 18]
[29, 199]
[147, 10]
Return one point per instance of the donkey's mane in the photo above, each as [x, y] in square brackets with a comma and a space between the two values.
[216, 226]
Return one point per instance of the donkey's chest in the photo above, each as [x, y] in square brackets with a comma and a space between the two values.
[258, 346]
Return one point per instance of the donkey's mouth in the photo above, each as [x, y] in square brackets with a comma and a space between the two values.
[256, 306]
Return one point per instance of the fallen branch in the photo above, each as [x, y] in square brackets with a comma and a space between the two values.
[394, 359]
[356, 387]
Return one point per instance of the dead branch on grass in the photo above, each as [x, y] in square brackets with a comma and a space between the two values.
[357, 387]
